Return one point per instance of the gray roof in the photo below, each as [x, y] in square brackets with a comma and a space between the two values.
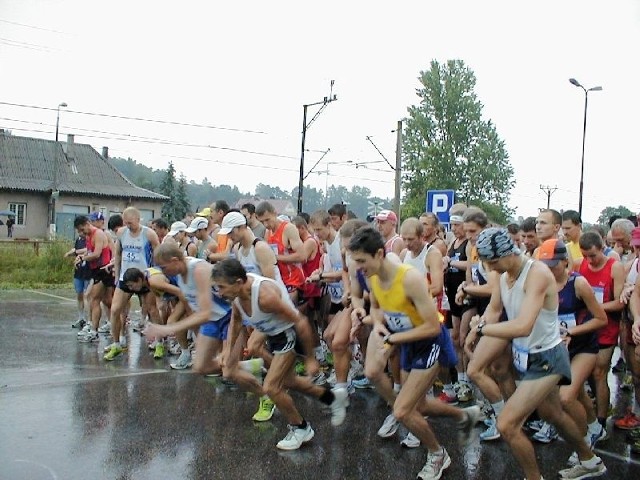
[37, 165]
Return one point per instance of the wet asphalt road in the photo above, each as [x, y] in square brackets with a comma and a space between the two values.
[67, 414]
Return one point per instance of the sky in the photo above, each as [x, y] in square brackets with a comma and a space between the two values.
[242, 72]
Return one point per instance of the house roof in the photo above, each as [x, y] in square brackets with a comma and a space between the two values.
[37, 165]
[282, 206]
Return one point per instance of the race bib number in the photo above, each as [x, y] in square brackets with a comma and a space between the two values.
[567, 321]
[599, 292]
[474, 274]
[397, 322]
[132, 257]
[520, 358]
[455, 258]
[274, 247]
[335, 291]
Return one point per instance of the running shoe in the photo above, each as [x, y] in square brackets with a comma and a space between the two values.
[620, 366]
[137, 325]
[627, 382]
[362, 383]
[253, 366]
[410, 441]
[596, 436]
[635, 447]
[339, 406]
[535, 425]
[633, 435]
[85, 330]
[175, 348]
[319, 379]
[463, 392]
[296, 437]
[88, 337]
[265, 410]
[583, 470]
[331, 379]
[491, 432]
[183, 362]
[159, 351]
[300, 370]
[106, 328]
[546, 434]
[113, 352]
[436, 464]
[450, 398]
[466, 426]
[389, 426]
[152, 345]
[81, 322]
[628, 422]
[356, 370]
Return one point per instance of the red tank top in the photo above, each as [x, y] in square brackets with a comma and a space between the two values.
[105, 256]
[312, 289]
[291, 273]
[602, 283]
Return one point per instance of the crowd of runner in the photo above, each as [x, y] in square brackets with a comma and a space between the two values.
[515, 327]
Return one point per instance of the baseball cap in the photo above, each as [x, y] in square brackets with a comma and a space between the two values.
[635, 237]
[206, 212]
[96, 216]
[552, 251]
[177, 227]
[385, 215]
[197, 223]
[230, 221]
[495, 243]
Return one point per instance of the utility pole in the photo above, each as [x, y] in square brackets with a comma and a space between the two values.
[305, 126]
[548, 191]
[398, 169]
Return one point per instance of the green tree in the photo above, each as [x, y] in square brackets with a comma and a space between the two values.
[182, 205]
[609, 212]
[167, 187]
[448, 145]
[267, 191]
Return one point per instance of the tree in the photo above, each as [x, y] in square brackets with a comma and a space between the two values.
[267, 192]
[167, 187]
[607, 213]
[447, 144]
[182, 205]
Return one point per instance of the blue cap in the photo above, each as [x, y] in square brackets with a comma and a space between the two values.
[95, 216]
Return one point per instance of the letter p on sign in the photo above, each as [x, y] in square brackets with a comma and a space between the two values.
[439, 202]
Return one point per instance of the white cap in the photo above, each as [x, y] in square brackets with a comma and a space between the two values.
[197, 223]
[177, 227]
[230, 221]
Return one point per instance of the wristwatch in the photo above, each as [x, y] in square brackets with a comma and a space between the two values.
[479, 328]
[387, 339]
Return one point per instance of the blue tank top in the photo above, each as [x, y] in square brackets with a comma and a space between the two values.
[571, 312]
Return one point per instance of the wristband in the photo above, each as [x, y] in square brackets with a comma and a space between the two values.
[479, 329]
[387, 339]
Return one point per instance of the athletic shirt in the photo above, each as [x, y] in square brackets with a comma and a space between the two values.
[81, 270]
[545, 334]
[172, 279]
[632, 276]
[399, 313]
[264, 322]
[334, 256]
[418, 262]
[105, 255]
[250, 261]
[202, 247]
[136, 251]
[219, 307]
[223, 240]
[291, 273]
[388, 245]
[572, 311]
[574, 251]
[455, 276]
[602, 284]
[479, 276]
[312, 289]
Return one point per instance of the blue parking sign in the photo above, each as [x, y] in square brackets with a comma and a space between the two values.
[439, 202]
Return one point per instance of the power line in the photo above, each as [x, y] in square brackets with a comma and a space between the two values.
[32, 26]
[138, 119]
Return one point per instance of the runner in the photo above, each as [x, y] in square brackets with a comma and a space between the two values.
[205, 245]
[249, 212]
[339, 215]
[81, 278]
[529, 236]
[386, 223]
[266, 306]
[431, 228]
[528, 292]
[572, 229]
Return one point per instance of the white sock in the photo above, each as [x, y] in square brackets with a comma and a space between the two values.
[341, 385]
[497, 407]
[462, 377]
[396, 387]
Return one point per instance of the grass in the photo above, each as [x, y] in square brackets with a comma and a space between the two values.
[20, 267]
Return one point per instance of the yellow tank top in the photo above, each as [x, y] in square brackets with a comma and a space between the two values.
[154, 271]
[399, 313]
[574, 251]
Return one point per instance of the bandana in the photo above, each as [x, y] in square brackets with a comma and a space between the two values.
[495, 243]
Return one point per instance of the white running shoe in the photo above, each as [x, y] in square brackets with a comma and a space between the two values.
[435, 466]
[410, 441]
[184, 361]
[389, 426]
[339, 406]
[296, 437]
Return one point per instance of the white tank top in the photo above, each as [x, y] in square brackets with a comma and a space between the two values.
[136, 251]
[334, 257]
[264, 322]
[418, 262]
[219, 307]
[632, 276]
[250, 261]
[546, 333]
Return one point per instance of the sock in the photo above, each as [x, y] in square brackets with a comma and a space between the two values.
[303, 425]
[602, 421]
[327, 397]
[396, 387]
[592, 462]
[341, 385]
[497, 407]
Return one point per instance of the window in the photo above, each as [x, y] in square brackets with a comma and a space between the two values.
[20, 209]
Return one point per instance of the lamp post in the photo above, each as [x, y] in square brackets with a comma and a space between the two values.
[58, 118]
[576, 83]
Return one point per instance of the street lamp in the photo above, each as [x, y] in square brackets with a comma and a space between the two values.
[58, 118]
[576, 83]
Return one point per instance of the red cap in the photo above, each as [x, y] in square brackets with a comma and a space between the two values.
[385, 215]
